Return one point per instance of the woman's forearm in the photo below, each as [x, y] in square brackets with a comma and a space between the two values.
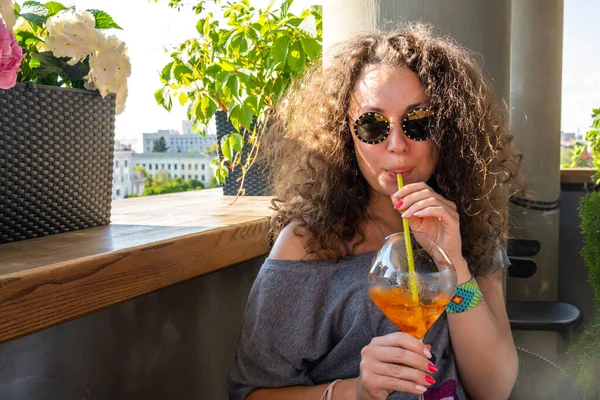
[345, 389]
[484, 350]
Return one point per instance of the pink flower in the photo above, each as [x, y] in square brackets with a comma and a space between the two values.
[11, 56]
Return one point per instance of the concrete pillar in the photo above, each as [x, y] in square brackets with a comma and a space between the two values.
[480, 25]
[535, 99]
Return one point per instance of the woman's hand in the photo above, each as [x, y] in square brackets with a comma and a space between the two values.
[394, 362]
[429, 212]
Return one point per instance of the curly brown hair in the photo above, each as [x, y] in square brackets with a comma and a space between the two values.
[310, 153]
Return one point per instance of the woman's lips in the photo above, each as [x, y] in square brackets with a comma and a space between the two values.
[393, 173]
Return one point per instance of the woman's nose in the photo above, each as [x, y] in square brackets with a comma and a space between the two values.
[397, 142]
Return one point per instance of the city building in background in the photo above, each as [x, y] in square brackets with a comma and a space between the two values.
[125, 181]
[178, 165]
[186, 142]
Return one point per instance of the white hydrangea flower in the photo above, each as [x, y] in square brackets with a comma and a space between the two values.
[73, 34]
[109, 69]
[121, 98]
[7, 13]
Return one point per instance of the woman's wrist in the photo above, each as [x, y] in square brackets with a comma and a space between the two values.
[345, 389]
[463, 274]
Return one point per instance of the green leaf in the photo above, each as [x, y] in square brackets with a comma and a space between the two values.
[163, 97]
[309, 26]
[296, 57]
[251, 33]
[214, 37]
[34, 63]
[245, 116]
[158, 97]
[252, 103]
[226, 66]
[103, 20]
[244, 77]
[27, 38]
[54, 8]
[200, 25]
[181, 71]
[198, 8]
[221, 174]
[183, 98]
[231, 88]
[207, 28]
[208, 106]
[49, 64]
[239, 44]
[221, 80]
[285, 7]
[279, 51]
[234, 115]
[203, 108]
[78, 71]
[293, 22]
[237, 141]
[227, 147]
[165, 75]
[215, 69]
[34, 12]
[317, 10]
[312, 48]
[277, 88]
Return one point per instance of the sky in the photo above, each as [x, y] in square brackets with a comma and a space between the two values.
[581, 64]
[149, 28]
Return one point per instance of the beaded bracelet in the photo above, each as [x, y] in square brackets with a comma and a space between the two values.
[467, 296]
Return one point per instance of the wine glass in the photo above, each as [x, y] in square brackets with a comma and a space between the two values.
[413, 301]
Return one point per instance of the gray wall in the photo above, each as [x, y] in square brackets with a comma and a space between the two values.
[176, 343]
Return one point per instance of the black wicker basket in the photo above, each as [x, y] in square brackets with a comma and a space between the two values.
[56, 156]
[255, 182]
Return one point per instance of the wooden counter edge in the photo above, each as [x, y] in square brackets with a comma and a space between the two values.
[38, 299]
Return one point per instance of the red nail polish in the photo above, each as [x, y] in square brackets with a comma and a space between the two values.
[429, 379]
[397, 206]
[432, 368]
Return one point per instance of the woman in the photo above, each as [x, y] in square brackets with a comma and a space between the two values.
[406, 102]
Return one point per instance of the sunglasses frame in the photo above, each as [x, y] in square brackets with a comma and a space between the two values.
[388, 123]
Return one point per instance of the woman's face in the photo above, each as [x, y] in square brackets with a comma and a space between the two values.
[392, 92]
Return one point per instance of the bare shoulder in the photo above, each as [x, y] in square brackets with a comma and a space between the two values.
[291, 244]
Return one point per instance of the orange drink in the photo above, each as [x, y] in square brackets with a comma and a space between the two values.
[414, 317]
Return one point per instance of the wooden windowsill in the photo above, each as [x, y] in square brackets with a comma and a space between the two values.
[152, 242]
[576, 175]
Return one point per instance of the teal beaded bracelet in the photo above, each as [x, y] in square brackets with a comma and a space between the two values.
[467, 296]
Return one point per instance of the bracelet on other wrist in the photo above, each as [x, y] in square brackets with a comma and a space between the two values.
[467, 296]
[328, 394]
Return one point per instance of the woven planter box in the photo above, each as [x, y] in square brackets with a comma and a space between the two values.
[56, 156]
[255, 182]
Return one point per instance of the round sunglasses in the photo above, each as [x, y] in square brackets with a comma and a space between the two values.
[373, 128]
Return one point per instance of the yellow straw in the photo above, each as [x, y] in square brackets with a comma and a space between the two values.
[409, 253]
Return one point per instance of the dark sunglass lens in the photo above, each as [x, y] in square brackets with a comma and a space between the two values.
[371, 127]
[417, 124]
